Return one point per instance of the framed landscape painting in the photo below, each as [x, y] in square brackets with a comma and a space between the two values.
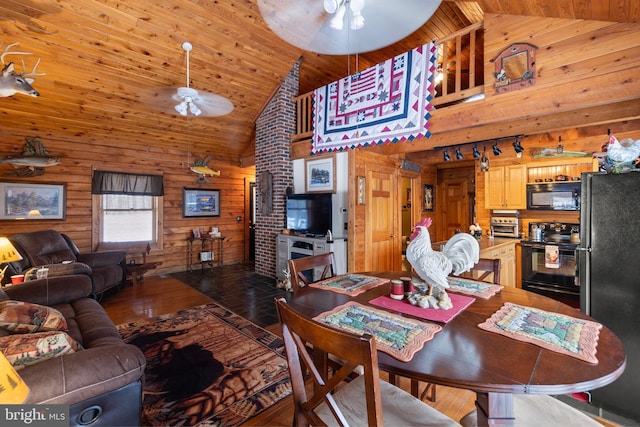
[320, 175]
[24, 200]
[198, 202]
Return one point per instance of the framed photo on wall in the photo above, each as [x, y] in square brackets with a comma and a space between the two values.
[320, 175]
[199, 202]
[24, 200]
[428, 198]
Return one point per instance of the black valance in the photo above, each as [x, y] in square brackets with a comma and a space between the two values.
[104, 182]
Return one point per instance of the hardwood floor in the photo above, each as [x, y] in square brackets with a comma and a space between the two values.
[158, 295]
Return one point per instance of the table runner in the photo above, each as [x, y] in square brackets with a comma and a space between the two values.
[397, 336]
[473, 287]
[552, 331]
[460, 302]
[349, 284]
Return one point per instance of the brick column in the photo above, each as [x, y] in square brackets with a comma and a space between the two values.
[273, 129]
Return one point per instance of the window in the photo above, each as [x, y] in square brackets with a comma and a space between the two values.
[127, 208]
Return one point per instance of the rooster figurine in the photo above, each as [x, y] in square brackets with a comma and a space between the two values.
[459, 254]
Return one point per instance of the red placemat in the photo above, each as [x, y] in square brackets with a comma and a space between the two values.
[395, 335]
[349, 284]
[552, 331]
[460, 302]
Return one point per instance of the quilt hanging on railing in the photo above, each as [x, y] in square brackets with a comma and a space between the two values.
[389, 102]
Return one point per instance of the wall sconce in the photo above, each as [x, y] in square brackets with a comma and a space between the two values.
[459, 155]
[518, 147]
[446, 156]
[484, 161]
[476, 153]
[496, 150]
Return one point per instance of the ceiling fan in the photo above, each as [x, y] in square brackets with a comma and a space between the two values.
[341, 27]
[193, 102]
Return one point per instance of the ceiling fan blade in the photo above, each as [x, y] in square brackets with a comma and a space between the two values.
[165, 99]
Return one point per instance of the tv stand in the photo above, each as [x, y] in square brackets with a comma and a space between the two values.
[290, 246]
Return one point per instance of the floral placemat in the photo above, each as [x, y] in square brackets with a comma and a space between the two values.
[349, 284]
[397, 336]
[552, 331]
[475, 288]
[460, 302]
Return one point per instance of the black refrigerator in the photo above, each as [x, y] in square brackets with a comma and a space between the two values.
[609, 272]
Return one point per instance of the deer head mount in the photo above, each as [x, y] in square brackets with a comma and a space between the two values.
[12, 82]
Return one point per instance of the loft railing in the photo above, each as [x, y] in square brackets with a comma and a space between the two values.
[460, 65]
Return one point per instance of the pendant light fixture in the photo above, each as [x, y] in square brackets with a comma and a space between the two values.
[484, 161]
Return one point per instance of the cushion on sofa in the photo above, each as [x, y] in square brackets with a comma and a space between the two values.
[24, 350]
[24, 317]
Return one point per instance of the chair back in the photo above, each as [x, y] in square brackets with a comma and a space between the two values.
[307, 344]
[484, 268]
[298, 266]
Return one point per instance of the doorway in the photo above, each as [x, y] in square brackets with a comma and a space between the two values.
[252, 221]
[456, 196]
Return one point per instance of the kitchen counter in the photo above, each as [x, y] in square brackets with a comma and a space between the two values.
[485, 243]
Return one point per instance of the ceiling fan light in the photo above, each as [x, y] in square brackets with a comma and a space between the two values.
[337, 21]
[357, 21]
[356, 6]
[182, 108]
[194, 109]
[330, 6]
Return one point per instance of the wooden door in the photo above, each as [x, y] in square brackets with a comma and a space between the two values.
[456, 196]
[382, 249]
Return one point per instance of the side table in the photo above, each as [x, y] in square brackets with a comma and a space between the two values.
[207, 242]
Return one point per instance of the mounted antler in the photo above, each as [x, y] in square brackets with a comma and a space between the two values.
[12, 82]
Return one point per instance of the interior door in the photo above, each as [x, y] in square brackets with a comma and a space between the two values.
[456, 198]
[382, 238]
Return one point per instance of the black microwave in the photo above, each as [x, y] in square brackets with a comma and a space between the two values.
[554, 196]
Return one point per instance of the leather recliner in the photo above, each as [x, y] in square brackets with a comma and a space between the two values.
[102, 383]
[51, 248]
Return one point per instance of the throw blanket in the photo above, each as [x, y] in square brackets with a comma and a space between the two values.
[388, 102]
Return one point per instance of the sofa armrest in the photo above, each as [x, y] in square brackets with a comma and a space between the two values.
[55, 270]
[85, 374]
[52, 290]
[102, 259]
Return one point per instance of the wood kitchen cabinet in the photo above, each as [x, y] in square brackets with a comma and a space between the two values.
[505, 187]
[507, 255]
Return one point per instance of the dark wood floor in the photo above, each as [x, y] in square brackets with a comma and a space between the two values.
[238, 288]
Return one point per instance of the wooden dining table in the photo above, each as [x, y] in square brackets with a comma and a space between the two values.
[494, 366]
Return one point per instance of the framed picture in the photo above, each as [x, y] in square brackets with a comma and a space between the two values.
[198, 202]
[24, 200]
[320, 175]
[428, 198]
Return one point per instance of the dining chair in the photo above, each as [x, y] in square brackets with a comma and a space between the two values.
[299, 266]
[533, 410]
[338, 399]
[484, 269]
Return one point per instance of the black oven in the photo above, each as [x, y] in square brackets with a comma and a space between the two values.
[549, 265]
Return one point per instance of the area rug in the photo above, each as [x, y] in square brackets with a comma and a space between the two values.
[552, 331]
[397, 336]
[207, 366]
[349, 284]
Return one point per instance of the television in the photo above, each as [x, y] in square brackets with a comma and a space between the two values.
[309, 214]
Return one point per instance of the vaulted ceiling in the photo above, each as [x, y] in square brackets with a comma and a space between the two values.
[108, 64]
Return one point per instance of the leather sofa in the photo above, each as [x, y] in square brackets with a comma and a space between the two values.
[51, 248]
[102, 382]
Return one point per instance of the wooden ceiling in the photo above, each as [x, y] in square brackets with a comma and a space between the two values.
[107, 61]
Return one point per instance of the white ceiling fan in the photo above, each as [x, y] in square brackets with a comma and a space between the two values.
[193, 102]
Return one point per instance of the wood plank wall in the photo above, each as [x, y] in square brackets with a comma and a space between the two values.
[79, 158]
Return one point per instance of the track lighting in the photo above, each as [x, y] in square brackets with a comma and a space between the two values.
[496, 150]
[484, 161]
[518, 147]
[459, 155]
[446, 156]
[476, 153]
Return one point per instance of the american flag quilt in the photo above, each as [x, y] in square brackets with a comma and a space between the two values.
[386, 103]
